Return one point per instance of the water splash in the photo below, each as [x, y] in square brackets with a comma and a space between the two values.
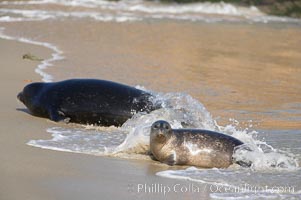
[182, 111]
[131, 141]
[179, 109]
[262, 155]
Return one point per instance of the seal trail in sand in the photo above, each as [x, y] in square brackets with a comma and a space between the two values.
[195, 147]
[85, 101]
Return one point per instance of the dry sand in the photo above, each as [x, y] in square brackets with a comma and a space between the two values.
[33, 173]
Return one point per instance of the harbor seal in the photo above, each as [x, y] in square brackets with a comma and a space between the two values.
[86, 101]
[196, 147]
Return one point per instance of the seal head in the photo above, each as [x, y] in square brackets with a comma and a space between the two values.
[161, 131]
[161, 138]
[29, 97]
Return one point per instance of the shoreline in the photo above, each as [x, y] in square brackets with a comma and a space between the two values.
[43, 174]
[43, 63]
[34, 173]
[201, 60]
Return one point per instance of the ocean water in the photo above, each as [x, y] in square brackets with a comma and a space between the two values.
[212, 66]
[131, 10]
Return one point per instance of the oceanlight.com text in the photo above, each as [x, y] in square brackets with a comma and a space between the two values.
[159, 188]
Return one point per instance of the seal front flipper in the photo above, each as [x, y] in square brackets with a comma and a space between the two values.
[171, 159]
[58, 116]
[151, 155]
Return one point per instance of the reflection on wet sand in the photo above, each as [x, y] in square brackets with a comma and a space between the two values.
[241, 71]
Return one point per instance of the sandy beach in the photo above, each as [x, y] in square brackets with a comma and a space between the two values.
[242, 68]
[229, 73]
[33, 173]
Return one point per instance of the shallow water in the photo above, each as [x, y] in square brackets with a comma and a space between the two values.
[215, 66]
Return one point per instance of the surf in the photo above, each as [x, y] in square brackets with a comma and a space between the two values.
[137, 10]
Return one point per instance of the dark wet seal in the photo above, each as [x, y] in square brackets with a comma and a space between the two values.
[86, 101]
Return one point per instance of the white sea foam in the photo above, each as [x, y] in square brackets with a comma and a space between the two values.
[255, 196]
[182, 111]
[55, 56]
[86, 140]
[133, 10]
[179, 109]
[242, 183]
[274, 173]
[40, 15]
[270, 166]
[151, 7]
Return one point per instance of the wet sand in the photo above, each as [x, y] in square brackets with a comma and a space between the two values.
[250, 72]
[33, 173]
[241, 71]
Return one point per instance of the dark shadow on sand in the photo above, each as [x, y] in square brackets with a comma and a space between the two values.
[25, 110]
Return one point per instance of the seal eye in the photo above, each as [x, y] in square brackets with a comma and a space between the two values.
[166, 126]
[156, 126]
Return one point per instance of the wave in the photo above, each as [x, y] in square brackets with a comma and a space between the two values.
[135, 10]
[40, 15]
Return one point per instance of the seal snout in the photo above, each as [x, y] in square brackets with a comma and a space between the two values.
[20, 96]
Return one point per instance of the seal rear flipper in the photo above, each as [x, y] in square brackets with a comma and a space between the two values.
[240, 155]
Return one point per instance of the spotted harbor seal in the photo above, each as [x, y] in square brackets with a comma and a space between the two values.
[194, 147]
[85, 101]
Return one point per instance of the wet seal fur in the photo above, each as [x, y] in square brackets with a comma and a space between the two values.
[86, 101]
[196, 147]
